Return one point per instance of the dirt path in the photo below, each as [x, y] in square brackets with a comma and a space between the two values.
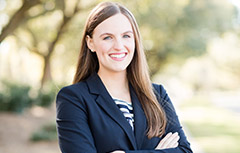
[16, 130]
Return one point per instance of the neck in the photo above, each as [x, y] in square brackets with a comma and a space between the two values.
[113, 80]
[116, 84]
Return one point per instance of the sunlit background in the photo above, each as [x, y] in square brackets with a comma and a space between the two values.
[192, 47]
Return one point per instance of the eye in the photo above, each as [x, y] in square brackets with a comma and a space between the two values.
[126, 36]
[107, 38]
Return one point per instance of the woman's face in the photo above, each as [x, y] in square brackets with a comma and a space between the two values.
[113, 41]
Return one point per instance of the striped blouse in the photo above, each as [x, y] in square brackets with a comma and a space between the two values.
[127, 110]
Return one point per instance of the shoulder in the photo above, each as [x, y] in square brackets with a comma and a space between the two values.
[74, 89]
[71, 98]
[160, 92]
[72, 94]
[163, 98]
[158, 87]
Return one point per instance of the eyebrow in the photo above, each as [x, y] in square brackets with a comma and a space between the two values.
[106, 33]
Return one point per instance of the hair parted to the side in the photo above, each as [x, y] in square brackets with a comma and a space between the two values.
[137, 71]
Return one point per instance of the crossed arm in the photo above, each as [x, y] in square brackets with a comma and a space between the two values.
[169, 141]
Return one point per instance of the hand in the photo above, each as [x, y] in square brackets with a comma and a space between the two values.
[118, 151]
[169, 141]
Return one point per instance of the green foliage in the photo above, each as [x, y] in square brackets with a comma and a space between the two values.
[180, 29]
[172, 30]
[47, 132]
[15, 97]
[44, 98]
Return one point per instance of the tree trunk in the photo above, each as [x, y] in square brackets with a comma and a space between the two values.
[46, 71]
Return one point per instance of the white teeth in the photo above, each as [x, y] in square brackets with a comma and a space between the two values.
[117, 56]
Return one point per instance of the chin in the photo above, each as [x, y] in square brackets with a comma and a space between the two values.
[123, 69]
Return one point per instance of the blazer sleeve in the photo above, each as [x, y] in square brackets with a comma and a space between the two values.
[173, 125]
[72, 123]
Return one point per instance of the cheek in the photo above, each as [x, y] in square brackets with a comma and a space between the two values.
[104, 47]
[131, 46]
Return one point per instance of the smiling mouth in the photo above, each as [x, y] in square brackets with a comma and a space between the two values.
[118, 57]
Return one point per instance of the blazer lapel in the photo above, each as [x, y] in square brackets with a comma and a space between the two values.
[140, 122]
[106, 102]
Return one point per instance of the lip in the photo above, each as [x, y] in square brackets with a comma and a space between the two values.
[118, 56]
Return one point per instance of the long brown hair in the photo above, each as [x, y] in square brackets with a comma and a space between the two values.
[137, 71]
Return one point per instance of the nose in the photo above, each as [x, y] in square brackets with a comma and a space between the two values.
[118, 44]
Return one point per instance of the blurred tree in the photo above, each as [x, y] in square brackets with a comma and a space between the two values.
[66, 15]
[171, 30]
[17, 18]
[42, 38]
[175, 30]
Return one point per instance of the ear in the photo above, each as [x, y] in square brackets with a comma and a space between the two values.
[90, 45]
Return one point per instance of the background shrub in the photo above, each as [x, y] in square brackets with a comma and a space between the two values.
[15, 97]
[47, 133]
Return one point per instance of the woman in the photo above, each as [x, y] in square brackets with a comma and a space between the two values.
[112, 105]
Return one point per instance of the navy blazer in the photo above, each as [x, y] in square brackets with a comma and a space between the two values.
[89, 121]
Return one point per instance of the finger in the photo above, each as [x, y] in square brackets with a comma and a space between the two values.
[160, 145]
[175, 145]
[165, 139]
[171, 140]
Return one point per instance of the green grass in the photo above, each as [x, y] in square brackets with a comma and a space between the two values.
[215, 129]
